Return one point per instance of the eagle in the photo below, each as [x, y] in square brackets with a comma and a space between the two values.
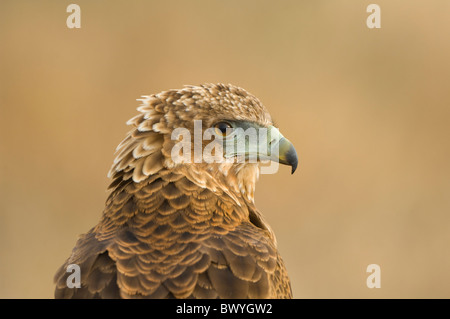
[175, 226]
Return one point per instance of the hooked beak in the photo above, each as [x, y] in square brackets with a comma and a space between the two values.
[288, 155]
[282, 149]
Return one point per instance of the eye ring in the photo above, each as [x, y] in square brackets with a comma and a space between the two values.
[223, 128]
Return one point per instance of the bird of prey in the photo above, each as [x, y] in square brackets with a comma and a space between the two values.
[176, 227]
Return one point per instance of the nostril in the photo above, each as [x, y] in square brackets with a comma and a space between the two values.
[273, 142]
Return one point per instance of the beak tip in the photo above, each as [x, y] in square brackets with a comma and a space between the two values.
[293, 169]
[292, 159]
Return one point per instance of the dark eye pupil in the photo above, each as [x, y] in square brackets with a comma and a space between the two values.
[223, 127]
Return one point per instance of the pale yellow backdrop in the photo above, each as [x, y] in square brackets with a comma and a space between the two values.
[368, 111]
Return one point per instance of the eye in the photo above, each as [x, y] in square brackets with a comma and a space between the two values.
[223, 128]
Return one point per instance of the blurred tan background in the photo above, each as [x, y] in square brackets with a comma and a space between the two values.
[368, 111]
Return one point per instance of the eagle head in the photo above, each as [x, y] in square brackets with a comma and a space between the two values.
[216, 135]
